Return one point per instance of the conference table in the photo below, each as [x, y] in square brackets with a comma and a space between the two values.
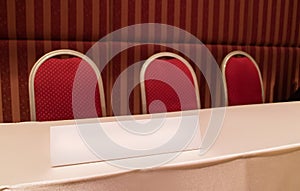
[256, 148]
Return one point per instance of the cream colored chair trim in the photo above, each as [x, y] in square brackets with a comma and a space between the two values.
[57, 53]
[148, 62]
[223, 67]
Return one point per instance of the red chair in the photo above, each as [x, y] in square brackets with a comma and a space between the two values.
[65, 88]
[242, 79]
[168, 83]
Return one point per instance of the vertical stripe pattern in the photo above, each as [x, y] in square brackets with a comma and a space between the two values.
[266, 29]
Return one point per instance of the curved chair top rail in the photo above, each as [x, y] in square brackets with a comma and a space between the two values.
[223, 67]
[60, 52]
[159, 55]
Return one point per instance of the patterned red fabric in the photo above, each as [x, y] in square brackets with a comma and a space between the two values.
[243, 83]
[169, 86]
[63, 90]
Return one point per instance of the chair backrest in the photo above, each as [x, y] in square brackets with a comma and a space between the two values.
[242, 79]
[65, 88]
[168, 83]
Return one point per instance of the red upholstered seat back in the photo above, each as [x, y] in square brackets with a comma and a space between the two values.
[169, 86]
[55, 95]
[243, 82]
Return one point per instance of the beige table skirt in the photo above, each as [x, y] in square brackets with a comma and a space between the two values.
[276, 170]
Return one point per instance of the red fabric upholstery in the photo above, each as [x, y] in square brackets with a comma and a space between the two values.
[243, 82]
[54, 93]
[170, 82]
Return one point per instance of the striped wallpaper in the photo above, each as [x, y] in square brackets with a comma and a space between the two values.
[267, 29]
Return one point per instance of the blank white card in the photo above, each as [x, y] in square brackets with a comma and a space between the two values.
[92, 142]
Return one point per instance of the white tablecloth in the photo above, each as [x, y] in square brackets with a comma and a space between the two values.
[258, 148]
